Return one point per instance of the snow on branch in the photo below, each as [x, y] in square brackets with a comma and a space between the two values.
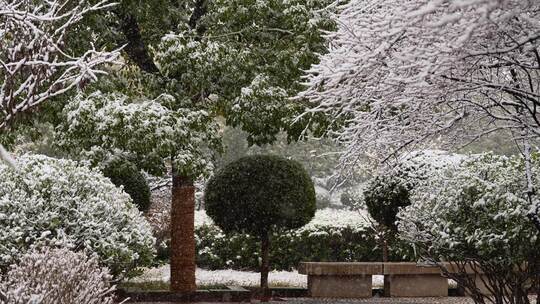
[401, 73]
[34, 66]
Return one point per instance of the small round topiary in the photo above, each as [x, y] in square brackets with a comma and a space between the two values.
[259, 195]
[126, 174]
[384, 196]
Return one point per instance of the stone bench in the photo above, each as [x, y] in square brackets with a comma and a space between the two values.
[340, 280]
[407, 279]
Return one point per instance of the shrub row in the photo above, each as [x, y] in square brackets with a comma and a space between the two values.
[333, 235]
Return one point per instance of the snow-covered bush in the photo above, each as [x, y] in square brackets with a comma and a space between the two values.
[56, 276]
[476, 216]
[386, 193]
[332, 235]
[389, 191]
[58, 203]
[384, 196]
[352, 198]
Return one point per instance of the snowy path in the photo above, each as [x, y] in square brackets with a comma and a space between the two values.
[448, 300]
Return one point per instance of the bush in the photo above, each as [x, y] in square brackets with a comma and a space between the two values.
[126, 174]
[261, 195]
[386, 194]
[383, 196]
[332, 235]
[57, 276]
[477, 216]
[322, 197]
[57, 203]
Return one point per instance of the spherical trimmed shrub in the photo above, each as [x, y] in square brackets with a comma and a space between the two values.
[259, 195]
[126, 174]
[57, 276]
[59, 203]
[384, 195]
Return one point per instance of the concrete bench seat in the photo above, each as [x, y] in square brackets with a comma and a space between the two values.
[340, 280]
[401, 279]
[408, 279]
[413, 280]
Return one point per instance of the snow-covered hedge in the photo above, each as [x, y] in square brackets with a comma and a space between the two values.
[479, 208]
[57, 276]
[332, 235]
[478, 213]
[58, 203]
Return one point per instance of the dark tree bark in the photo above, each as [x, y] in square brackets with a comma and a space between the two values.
[198, 13]
[182, 235]
[265, 265]
[384, 246]
[135, 46]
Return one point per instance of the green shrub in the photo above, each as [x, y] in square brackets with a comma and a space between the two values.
[126, 174]
[333, 235]
[384, 196]
[261, 195]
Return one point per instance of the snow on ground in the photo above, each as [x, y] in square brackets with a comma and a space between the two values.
[235, 277]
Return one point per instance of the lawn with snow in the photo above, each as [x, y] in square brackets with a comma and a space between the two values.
[234, 277]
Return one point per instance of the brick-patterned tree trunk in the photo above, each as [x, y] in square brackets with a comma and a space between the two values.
[182, 235]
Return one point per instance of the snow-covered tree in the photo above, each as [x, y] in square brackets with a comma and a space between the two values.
[401, 73]
[57, 276]
[475, 216]
[34, 63]
[199, 63]
[47, 202]
[145, 131]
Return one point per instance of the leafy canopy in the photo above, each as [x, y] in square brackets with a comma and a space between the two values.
[235, 62]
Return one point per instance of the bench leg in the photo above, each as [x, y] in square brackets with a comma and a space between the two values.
[353, 286]
[422, 285]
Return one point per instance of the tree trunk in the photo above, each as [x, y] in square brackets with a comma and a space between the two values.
[265, 266]
[182, 234]
[384, 245]
[384, 248]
